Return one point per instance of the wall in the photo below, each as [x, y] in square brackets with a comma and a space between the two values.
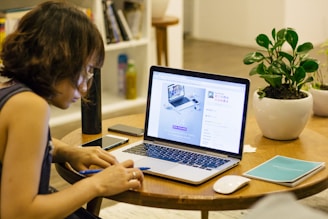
[240, 21]
[311, 19]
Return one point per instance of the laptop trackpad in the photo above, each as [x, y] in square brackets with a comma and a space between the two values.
[155, 164]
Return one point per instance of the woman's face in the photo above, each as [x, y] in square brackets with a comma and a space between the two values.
[68, 93]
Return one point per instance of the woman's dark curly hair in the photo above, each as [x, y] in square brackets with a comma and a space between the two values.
[54, 41]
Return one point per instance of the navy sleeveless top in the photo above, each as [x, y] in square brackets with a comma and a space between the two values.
[5, 94]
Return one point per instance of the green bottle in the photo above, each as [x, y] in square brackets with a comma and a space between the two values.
[131, 81]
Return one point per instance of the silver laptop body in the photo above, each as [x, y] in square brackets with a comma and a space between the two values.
[211, 131]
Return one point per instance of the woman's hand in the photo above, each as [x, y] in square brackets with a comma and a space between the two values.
[82, 158]
[118, 178]
[113, 179]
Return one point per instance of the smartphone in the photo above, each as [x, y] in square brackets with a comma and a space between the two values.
[107, 142]
[125, 129]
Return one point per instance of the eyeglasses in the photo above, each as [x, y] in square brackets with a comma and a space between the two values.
[84, 79]
[90, 72]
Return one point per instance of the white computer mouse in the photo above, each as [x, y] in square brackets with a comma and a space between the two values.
[230, 183]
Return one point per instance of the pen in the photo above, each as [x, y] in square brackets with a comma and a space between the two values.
[85, 172]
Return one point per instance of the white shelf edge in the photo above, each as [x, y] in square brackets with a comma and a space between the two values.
[126, 44]
[65, 118]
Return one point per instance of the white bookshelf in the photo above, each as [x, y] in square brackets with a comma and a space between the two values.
[142, 50]
[139, 50]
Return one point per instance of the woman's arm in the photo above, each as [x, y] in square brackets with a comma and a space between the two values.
[26, 117]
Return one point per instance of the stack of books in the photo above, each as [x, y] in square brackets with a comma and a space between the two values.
[124, 23]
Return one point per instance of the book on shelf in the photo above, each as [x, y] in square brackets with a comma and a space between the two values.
[284, 170]
[108, 27]
[120, 25]
[133, 11]
[125, 24]
[117, 35]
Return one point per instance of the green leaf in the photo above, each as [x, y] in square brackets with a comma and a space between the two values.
[278, 44]
[273, 80]
[276, 70]
[261, 69]
[292, 38]
[252, 57]
[253, 71]
[263, 41]
[281, 35]
[273, 33]
[261, 93]
[310, 65]
[308, 80]
[299, 75]
[286, 55]
[278, 67]
[304, 48]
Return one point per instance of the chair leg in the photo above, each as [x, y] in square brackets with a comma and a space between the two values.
[164, 30]
[94, 205]
[159, 43]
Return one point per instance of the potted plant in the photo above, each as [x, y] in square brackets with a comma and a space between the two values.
[282, 108]
[319, 86]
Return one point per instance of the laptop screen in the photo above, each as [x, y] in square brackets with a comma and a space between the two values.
[197, 109]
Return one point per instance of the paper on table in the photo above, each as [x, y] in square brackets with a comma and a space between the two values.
[249, 149]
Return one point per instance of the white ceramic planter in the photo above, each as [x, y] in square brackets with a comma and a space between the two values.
[320, 102]
[282, 119]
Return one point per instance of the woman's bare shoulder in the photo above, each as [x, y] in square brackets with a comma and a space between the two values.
[26, 102]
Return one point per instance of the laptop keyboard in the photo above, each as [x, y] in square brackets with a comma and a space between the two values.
[202, 161]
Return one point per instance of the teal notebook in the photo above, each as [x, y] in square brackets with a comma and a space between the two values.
[285, 170]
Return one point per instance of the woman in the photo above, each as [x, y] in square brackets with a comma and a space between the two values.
[48, 60]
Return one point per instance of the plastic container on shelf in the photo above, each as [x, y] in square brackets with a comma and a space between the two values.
[122, 68]
[131, 81]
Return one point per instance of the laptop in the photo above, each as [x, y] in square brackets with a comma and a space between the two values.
[199, 142]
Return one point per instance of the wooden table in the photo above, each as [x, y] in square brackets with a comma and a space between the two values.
[157, 192]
